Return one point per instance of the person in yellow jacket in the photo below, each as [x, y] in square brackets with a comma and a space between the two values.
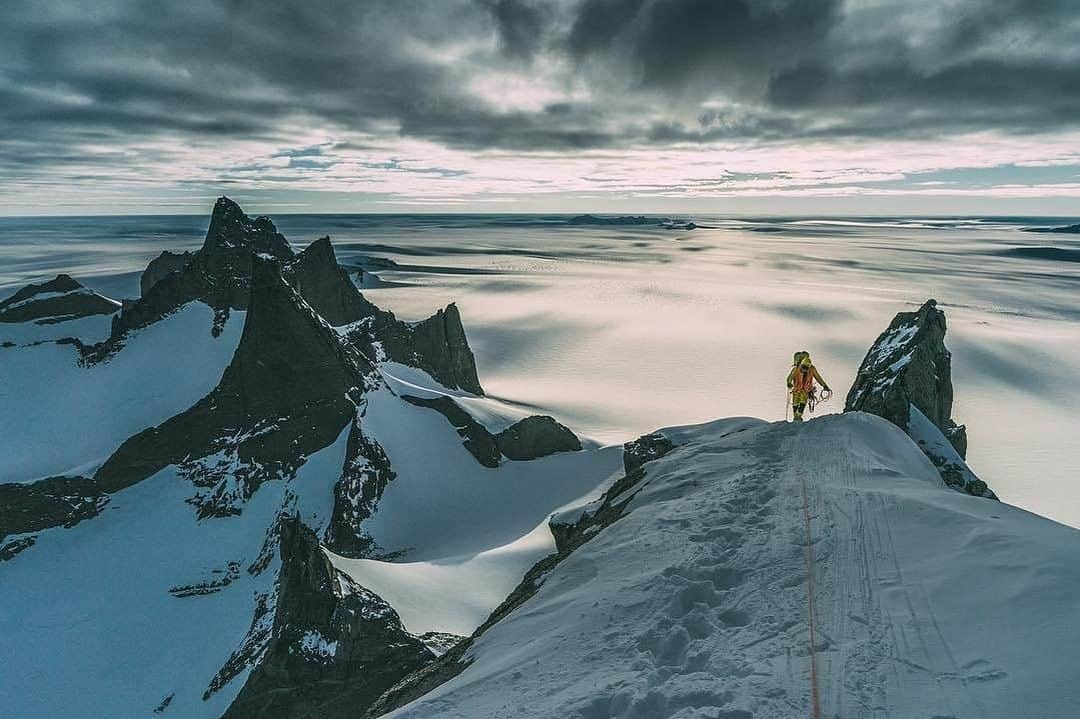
[801, 383]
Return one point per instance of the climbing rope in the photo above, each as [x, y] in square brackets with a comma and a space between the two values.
[813, 401]
[815, 696]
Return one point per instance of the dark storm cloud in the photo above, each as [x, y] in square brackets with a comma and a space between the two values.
[656, 71]
[521, 25]
[702, 43]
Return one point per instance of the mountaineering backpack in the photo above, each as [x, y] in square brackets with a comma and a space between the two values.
[803, 381]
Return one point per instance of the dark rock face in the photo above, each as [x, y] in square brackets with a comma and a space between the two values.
[568, 537]
[219, 273]
[61, 298]
[480, 443]
[535, 437]
[436, 345]
[288, 392]
[365, 475]
[645, 449]
[315, 274]
[334, 647]
[909, 366]
[53, 502]
[160, 267]
[529, 438]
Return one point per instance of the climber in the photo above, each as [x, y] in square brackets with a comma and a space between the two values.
[800, 382]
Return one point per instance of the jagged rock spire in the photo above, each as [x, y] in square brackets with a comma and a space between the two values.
[328, 632]
[230, 229]
[285, 395]
[907, 365]
[906, 378]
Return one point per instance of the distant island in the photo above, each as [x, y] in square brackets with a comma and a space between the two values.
[622, 220]
[665, 222]
[1067, 229]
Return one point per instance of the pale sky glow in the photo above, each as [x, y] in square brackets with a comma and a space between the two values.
[542, 105]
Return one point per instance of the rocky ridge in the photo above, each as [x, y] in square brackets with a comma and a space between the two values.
[527, 439]
[290, 390]
[219, 274]
[60, 299]
[334, 646]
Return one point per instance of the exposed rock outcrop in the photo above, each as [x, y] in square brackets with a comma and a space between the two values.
[476, 438]
[160, 267]
[53, 502]
[289, 391]
[437, 345]
[530, 438]
[363, 479]
[219, 273]
[334, 647]
[61, 298]
[908, 369]
[326, 286]
[535, 437]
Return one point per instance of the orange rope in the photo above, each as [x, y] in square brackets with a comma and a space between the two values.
[814, 693]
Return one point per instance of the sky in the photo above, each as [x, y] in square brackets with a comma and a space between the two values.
[688, 106]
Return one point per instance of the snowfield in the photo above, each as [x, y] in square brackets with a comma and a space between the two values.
[463, 534]
[60, 417]
[697, 602]
[445, 504]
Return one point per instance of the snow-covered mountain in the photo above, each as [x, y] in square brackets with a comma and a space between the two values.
[153, 463]
[251, 492]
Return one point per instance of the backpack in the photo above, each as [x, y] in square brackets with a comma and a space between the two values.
[803, 380]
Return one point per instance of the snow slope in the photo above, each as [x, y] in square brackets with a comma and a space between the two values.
[60, 417]
[926, 602]
[451, 594]
[90, 626]
[445, 504]
[91, 329]
[463, 534]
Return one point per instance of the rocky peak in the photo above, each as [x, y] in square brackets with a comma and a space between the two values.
[231, 229]
[909, 365]
[906, 378]
[536, 436]
[335, 646]
[437, 345]
[218, 274]
[61, 298]
[289, 391]
[161, 267]
[60, 283]
[326, 286]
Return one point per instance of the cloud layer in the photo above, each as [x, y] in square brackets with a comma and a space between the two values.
[410, 99]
